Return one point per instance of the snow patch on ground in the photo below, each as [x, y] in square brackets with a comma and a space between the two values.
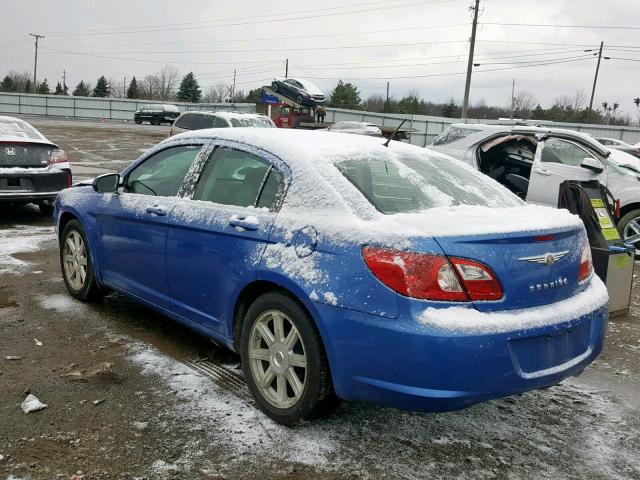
[21, 239]
[239, 424]
[61, 303]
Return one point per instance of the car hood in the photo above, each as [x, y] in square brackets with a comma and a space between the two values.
[624, 161]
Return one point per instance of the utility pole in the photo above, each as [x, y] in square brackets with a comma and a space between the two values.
[513, 98]
[124, 87]
[64, 82]
[387, 92]
[595, 79]
[286, 68]
[35, 62]
[233, 89]
[465, 103]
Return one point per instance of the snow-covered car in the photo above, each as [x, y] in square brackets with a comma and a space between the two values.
[337, 266]
[32, 168]
[301, 91]
[533, 161]
[200, 120]
[358, 128]
[619, 145]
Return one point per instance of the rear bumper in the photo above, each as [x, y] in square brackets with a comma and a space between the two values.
[407, 364]
[25, 186]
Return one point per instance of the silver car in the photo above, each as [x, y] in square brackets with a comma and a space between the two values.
[533, 161]
[199, 120]
[359, 128]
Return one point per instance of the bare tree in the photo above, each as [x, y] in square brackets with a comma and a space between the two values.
[19, 80]
[579, 100]
[167, 82]
[117, 88]
[149, 87]
[523, 103]
[374, 103]
[217, 93]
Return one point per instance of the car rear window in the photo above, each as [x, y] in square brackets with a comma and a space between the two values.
[453, 134]
[251, 122]
[12, 128]
[414, 183]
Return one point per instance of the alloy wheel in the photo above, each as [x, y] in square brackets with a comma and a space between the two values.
[75, 260]
[278, 360]
[631, 233]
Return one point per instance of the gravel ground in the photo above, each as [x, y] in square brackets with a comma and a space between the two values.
[131, 394]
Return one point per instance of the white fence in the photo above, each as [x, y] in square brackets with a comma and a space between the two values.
[93, 107]
[426, 128]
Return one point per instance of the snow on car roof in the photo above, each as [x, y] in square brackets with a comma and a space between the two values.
[227, 114]
[15, 130]
[319, 191]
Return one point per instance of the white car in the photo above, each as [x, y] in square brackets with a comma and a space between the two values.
[359, 128]
[533, 162]
[199, 120]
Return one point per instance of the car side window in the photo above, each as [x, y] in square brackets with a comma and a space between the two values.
[162, 173]
[234, 177]
[561, 151]
[218, 122]
[185, 122]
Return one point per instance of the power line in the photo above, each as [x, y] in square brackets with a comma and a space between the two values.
[555, 25]
[261, 20]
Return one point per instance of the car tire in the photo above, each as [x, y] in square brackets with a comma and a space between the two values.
[156, 121]
[137, 120]
[260, 361]
[626, 227]
[46, 208]
[299, 99]
[85, 289]
[274, 87]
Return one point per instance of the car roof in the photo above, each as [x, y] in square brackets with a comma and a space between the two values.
[226, 114]
[491, 129]
[14, 129]
[308, 86]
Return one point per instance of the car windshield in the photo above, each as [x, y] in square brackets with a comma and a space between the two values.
[414, 183]
[251, 122]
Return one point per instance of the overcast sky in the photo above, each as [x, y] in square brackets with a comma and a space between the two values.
[434, 34]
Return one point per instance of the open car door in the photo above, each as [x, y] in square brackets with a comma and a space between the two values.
[557, 160]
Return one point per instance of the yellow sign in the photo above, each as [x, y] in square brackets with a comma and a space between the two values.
[621, 261]
[597, 203]
[610, 234]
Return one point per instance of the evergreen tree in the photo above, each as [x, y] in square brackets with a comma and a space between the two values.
[254, 96]
[346, 95]
[43, 88]
[132, 91]
[28, 86]
[82, 90]
[451, 109]
[59, 89]
[102, 88]
[7, 84]
[189, 90]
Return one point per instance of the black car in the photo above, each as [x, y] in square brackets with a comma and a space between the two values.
[32, 169]
[303, 92]
[156, 114]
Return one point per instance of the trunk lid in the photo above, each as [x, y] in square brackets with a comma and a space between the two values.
[24, 154]
[534, 268]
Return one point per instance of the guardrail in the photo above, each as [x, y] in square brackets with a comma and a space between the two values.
[426, 128]
[95, 107]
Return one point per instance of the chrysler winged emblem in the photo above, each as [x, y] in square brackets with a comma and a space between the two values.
[10, 151]
[547, 259]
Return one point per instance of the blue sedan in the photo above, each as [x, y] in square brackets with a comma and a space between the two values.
[341, 268]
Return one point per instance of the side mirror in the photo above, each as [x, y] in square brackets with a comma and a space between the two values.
[592, 164]
[107, 183]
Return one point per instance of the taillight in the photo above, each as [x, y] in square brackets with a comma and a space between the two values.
[586, 264]
[69, 179]
[58, 156]
[432, 277]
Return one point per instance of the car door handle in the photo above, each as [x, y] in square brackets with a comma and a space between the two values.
[157, 210]
[543, 171]
[242, 222]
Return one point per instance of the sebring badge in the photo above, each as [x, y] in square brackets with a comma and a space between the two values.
[547, 259]
[10, 151]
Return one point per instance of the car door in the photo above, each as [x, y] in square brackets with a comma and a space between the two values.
[132, 224]
[557, 160]
[216, 238]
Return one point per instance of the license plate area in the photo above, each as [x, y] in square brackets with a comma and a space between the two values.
[545, 352]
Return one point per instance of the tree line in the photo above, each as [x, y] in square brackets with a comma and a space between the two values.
[166, 85]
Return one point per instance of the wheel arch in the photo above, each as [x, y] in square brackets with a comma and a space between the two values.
[628, 208]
